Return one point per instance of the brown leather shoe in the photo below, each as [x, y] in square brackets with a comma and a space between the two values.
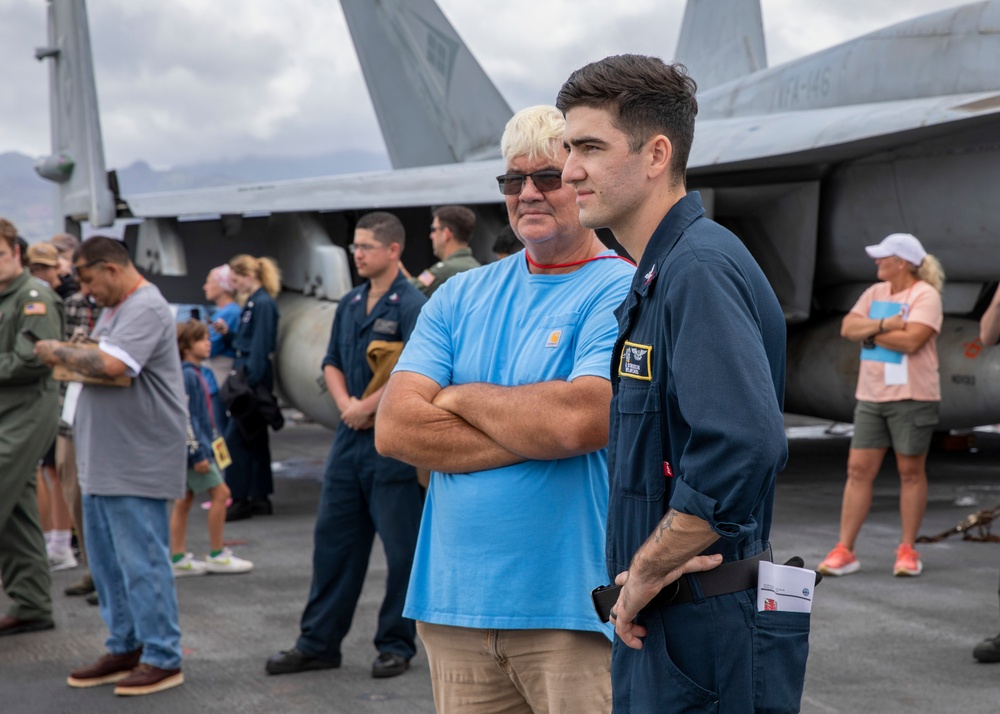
[108, 669]
[12, 625]
[147, 679]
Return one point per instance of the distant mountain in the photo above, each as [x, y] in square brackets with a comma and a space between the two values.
[27, 200]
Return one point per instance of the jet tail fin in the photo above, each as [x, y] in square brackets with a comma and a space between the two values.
[435, 104]
[721, 40]
[77, 161]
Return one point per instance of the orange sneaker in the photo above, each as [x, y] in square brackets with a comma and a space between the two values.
[907, 561]
[839, 561]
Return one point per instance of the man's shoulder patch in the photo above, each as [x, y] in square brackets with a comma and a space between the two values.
[426, 278]
[35, 308]
[636, 361]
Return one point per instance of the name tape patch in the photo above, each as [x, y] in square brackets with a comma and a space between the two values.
[635, 362]
[385, 327]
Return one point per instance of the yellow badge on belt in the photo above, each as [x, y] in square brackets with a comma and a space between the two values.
[635, 362]
[34, 308]
[221, 451]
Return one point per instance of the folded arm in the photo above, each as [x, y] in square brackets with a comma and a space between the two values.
[908, 339]
[893, 332]
[411, 428]
[545, 420]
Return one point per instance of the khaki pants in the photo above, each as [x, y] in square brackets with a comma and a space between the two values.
[517, 671]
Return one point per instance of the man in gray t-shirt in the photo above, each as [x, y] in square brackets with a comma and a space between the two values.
[132, 459]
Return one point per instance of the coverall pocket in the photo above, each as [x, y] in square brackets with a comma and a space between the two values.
[640, 441]
[781, 646]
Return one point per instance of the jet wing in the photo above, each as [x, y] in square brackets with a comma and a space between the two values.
[835, 134]
[467, 183]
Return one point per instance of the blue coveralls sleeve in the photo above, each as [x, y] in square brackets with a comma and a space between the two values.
[198, 414]
[265, 337]
[598, 331]
[333, 357]
[724, 391]
[429, 343]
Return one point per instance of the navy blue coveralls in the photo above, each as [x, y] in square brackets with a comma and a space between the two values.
[249, 476]
[363, 493]
[698, 376]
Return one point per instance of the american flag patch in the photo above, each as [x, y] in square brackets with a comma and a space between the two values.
[34, 308]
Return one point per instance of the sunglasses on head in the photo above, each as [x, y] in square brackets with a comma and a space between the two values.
[545, 181]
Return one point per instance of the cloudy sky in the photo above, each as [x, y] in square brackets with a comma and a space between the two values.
[182, 81]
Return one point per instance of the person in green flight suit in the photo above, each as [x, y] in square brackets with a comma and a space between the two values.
[29, 418]
[450, 232]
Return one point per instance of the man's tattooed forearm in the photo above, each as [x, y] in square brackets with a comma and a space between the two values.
[85, 361]
[665, 525]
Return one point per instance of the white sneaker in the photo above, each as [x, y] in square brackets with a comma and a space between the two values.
[188, 566]
[62, 561]
[226, 562]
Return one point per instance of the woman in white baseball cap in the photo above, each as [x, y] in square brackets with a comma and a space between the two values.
[899, 390]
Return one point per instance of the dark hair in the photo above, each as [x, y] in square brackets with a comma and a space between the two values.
[23, 245]
[645, 97]
[386, 227]
[461, 221]
[188, 333]
[103, 248]
[506, 241]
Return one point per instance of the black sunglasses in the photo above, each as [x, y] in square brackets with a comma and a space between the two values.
[545, 181]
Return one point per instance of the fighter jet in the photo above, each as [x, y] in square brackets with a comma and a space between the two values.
[807, 162]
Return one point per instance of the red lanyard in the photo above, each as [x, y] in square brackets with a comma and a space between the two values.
[208, 398]
[575, 262]
[128, 294]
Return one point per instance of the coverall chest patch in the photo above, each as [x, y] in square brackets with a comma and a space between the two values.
[635, 361]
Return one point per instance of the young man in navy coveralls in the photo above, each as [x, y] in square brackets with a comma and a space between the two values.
[363, 492]
[696, 435]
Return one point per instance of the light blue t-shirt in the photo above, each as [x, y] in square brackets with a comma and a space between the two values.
[518, 547]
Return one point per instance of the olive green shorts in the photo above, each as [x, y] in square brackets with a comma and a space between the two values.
[199, 483]
[906, 426]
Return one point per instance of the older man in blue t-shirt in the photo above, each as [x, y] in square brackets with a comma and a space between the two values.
[503, 392]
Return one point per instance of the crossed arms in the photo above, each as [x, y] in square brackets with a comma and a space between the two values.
[474, 427]
[897, 334]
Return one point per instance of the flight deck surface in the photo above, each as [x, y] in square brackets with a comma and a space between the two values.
[878, 643]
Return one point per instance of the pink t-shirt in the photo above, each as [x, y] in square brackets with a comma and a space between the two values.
[923, 379]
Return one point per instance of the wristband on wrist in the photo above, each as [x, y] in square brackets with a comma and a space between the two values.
[880, 328]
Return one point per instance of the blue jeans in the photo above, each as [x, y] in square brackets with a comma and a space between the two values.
[127, 547]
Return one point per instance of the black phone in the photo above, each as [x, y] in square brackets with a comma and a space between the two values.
[30, 335]
[196, 313]
[604, 598]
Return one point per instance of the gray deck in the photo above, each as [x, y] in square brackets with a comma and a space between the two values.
[879, 643]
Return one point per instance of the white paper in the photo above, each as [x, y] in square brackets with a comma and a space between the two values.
[784, 588]
[73, 390]
[896, 374]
